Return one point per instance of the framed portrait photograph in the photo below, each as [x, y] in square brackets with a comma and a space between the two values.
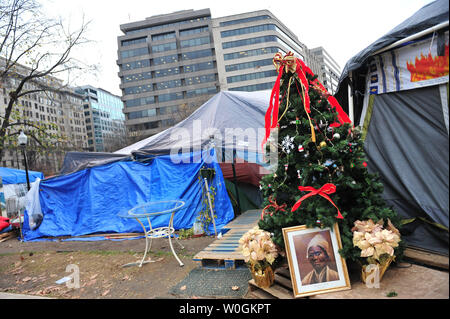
[314, 261]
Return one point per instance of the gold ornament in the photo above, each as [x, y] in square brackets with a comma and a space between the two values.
[323, 144]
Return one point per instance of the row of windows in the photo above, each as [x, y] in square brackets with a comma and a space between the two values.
[166, 59]
[152, 125]
[170, 97]
[169, 84]
[169, 71]
[246, 30]
[134, 41]
[140, 101]
[248, 65]
[194, 42]
[135, 65]
[165, 47]
[163, 36]
[193, 31]
[247, 53]
[140, 114]
[251, 76]
[134, 52]
[267, 38]
[167, 25]
[254, 87]
[244, 20]
[208, 90]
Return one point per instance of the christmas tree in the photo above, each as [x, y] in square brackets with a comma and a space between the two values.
[321, 177]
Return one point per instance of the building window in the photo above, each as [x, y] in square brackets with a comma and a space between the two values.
[170, 97]
[248, 65]
[141, 114]
[251, 76]
[138, 89]
[208, 90]
[137, 77]
[163, 36]
[140, 101]
[196, 54]
[193, 31]
[164, 47]
[247, 53]
[200, 79]
[134, 41]
[168, 84]
[199, 67]
[252, 29]
[244, 20]
[136, 65]
[194, 42]
[167, 72]
[165, 59]
[135, 52]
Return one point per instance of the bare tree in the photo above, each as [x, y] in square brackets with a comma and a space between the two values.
[34, 50]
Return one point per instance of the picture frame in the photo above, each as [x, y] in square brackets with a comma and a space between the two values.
[315, 264]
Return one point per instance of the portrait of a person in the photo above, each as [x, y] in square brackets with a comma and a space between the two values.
[318, 255]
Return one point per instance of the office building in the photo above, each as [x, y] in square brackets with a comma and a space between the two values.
[330, 70]
[104, 118]
[52, 104]
[171, 64]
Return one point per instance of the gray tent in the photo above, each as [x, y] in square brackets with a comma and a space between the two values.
[397, 91]
[232, 122]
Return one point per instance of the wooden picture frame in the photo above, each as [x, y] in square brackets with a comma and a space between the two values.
[315, 264]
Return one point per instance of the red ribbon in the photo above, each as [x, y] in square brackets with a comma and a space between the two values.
[274, 205]
[271, 117]
[323, 191]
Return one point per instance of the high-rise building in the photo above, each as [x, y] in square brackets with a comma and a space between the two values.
[51, 104]
[171, 64]
[167, 67]
[330, 70]
[104, 118]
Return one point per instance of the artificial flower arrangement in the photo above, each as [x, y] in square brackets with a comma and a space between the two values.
[376, 242]
[259, 253]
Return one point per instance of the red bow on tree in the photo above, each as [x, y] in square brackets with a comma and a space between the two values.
[323, 191]
[273, 203]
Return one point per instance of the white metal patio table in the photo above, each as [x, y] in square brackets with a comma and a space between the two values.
[153, 209]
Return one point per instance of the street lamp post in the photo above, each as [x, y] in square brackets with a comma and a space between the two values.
[22, 139]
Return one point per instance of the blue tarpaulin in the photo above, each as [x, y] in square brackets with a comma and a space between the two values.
[18, 176]
[88, 201]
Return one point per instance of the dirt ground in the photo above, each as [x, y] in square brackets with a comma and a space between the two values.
[33, 267]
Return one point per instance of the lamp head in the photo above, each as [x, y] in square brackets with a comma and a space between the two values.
[22, 139]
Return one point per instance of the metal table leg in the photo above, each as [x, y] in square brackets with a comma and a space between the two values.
[146, 246]
[170, 228]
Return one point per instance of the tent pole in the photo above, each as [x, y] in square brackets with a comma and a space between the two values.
[235, 182]
[350, 98]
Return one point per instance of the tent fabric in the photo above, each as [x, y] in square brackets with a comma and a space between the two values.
[18, 176]
[250, 173]
[75, 161]
[225, 111]
[428, 16]
[89, 201]
[408, 146]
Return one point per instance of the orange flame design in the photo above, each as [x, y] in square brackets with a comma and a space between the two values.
[428, 67]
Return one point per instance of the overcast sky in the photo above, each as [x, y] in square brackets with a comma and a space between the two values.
[342, 27]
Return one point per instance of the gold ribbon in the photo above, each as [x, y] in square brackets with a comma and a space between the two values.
[288, 62]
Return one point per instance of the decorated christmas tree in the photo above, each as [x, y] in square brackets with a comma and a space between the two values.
[321, 177]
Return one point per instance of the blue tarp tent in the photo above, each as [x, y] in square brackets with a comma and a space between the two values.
[88, 201]
[18, 176]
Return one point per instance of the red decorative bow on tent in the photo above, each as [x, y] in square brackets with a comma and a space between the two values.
[323, 191]
[273, 203]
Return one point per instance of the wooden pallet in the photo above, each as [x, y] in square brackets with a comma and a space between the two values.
[281, 289]
[224, 252]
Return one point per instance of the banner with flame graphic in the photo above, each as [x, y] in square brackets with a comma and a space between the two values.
[418, 64]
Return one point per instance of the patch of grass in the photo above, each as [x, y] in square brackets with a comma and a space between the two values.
[391, 294]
